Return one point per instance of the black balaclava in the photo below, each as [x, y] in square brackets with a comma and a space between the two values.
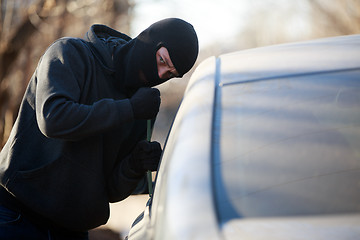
[136, 61]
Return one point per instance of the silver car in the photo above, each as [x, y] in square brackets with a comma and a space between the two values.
[265, 145]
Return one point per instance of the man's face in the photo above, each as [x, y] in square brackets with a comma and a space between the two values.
[148, 60]
[165, 67]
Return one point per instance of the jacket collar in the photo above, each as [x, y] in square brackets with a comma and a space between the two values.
[99, 47]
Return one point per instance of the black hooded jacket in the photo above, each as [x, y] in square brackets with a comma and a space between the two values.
[64, 159]
[68, 153]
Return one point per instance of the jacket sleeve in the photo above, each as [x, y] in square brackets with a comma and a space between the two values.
[60, 76]
[123, 181]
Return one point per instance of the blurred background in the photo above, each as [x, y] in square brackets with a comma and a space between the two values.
[28, 27]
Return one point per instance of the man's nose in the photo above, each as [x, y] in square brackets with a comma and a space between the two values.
[162, 71]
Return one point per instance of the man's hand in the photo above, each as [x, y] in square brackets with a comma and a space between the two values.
[145, 156]
[145, 103]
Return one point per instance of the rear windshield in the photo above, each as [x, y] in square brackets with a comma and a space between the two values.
[288, 147]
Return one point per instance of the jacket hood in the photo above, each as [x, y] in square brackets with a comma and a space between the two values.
[103, 40]
[133, 61]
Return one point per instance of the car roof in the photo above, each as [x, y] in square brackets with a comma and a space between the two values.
[285, 60]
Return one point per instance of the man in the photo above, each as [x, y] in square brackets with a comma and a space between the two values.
[78, 142]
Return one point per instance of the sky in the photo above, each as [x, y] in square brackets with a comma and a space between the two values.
[219, 21]
[204, 15]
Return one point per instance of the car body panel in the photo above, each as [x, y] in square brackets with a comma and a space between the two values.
[183, 176]
[344, 227]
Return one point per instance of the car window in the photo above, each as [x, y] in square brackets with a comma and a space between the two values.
[288, 146]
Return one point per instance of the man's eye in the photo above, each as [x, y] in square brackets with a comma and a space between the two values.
[162, 60]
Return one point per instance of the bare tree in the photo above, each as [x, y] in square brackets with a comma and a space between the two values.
[337, 17]
[27, 27]
[276, 22]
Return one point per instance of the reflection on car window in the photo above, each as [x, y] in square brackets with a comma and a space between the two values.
[289, 147]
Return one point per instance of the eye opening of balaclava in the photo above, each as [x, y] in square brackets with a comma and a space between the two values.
[180, 39]
[176, 35]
